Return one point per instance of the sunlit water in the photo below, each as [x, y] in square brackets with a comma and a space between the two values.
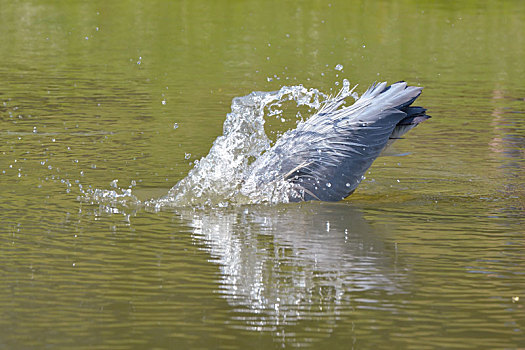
[105, 107]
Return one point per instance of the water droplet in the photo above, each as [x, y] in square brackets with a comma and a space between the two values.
[346, 85]
[187, 155]
[339, 67]
[328, 184]
[175, 126]
[163, 102]
[347, 184]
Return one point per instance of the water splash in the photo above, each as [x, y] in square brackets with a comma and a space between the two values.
[219, 179]
[110, 199]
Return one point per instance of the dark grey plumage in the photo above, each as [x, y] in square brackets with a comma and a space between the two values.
[326, 157]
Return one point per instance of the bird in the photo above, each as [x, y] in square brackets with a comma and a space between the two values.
[325, 157]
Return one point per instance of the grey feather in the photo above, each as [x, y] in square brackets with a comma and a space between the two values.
[325, 157]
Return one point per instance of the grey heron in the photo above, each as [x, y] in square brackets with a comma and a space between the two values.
[326, 157]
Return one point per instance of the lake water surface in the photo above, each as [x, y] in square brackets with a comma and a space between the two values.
[428, 253]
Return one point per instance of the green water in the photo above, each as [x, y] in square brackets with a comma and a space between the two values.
[428, 253]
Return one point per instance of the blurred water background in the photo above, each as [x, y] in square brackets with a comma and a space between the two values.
[428, 253]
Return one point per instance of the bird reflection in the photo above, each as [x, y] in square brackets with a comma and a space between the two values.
[283, 265]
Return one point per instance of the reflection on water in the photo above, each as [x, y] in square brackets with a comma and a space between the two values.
[508, 144]
[281, 266]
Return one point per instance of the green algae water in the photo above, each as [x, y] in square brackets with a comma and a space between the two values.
[124, 99]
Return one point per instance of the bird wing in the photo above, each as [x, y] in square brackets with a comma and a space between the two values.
[325, 157]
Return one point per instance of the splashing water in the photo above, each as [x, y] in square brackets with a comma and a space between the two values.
[219, 179]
